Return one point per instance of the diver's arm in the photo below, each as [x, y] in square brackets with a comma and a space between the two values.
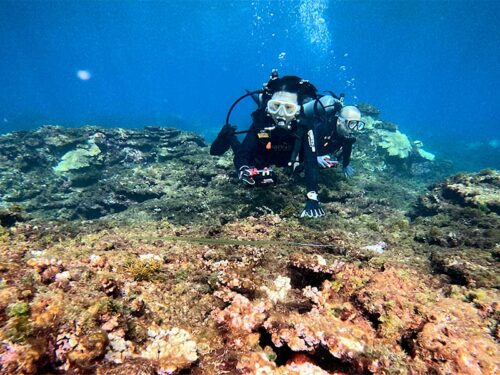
[322, 156]
[324, 145]
[347, 151]
[245, 154]
[319, 136]
[225, 139]
[346, 157]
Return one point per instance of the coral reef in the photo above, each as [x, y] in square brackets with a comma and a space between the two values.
[88, 173]
[425, 154]
[395, 143]
[459, 218]
[370, 122]
[173, 349]
[452, 341]
[368, 110]
[479, 190]
[151, 259]
[233, 307]
[78, 159]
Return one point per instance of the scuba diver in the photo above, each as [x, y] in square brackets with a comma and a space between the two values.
[334, 137]
[281, 134]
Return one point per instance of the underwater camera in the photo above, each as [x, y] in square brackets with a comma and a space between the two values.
[263, 177]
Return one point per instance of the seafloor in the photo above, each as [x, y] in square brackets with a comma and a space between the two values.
[135, 252]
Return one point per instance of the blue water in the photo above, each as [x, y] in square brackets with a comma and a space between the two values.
[430, 66]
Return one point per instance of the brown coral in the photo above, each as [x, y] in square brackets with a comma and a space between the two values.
[48, 269]
[88, 348]
[393, 299]
[455, 341]
[46, 313]
[21, 359]
[344, 340]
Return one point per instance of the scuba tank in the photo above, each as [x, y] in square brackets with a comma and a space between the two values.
[326, 105]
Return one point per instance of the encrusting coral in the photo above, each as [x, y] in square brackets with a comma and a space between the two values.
[302, 310]
[173, 349]
[453, 342]
[159, 263]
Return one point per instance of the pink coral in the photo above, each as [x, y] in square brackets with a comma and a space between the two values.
[256, 363]
[344, 340]
[47, 268]
[20, 359]
[243, 316]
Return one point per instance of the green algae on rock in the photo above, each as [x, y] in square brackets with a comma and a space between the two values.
[90, 172]
[459, 218]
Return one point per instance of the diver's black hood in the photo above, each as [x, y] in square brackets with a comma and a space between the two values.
[304, 89]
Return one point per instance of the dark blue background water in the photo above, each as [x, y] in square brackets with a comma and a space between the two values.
[430, 66]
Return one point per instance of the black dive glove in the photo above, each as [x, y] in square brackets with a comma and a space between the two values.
[227, 131]
[246, 175]
[223, 141]
[313, 208]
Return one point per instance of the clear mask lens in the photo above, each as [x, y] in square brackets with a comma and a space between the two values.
[355, 125]
[281, 107]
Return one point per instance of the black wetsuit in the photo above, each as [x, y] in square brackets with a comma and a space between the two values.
[263, 148]
[330, 142]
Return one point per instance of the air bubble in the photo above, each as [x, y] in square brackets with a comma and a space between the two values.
[315, 26]
[84, 75]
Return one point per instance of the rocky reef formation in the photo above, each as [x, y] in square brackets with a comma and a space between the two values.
[133, 251]
[459, 220]
[107, 299]
[88, 173]
[395, 150]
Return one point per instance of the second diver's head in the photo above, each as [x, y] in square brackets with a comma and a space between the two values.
[349, 120]
[287, 95]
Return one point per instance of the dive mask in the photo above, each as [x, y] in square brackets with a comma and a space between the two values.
[282, 112]
[283, 108]
[356, 125]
